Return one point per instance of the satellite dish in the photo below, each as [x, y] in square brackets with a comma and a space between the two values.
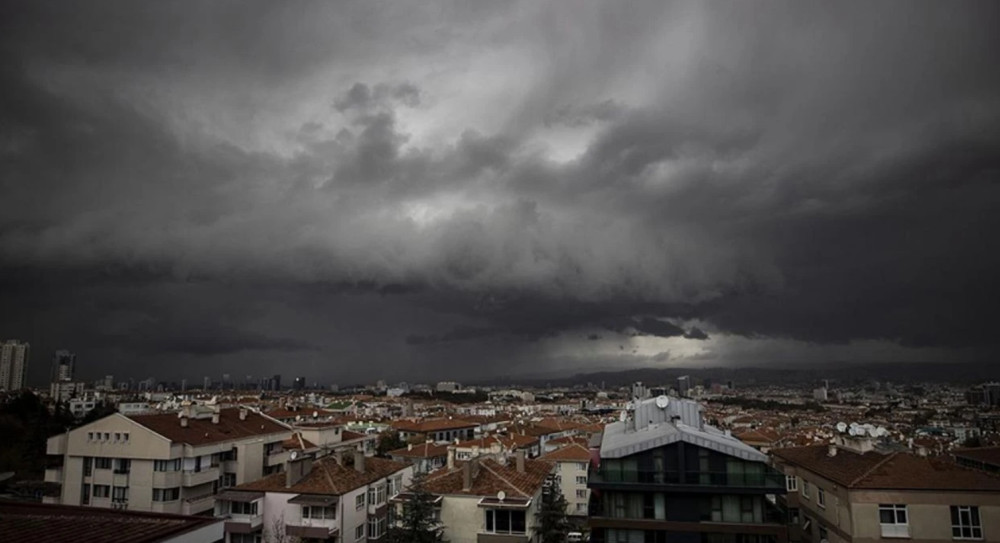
[501, 495]
[293, 455]
[881, 432]
[841, 427]
[662, 402]
[315, 414]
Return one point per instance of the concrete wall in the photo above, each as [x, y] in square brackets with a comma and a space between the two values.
[568, 472]
[928, 513]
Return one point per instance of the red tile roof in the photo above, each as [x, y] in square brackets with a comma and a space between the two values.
[20, 521]
[432, 425]
[988, 455]
[893, 471]
[492, 477]
[570, 453]
[204, 431]
[328, 477]
[422, 450]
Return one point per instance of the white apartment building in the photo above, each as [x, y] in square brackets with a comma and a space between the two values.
[13, 362]
[571, 464]
[164, 463]
[337, 497]
[486, 501]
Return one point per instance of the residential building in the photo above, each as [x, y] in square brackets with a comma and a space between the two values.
[572, 464]
[425, 457]
[13, 364]
[63, 366]
[851, 491]
[164, 463]
[335, 498]
[437, 430]
[489, 501]
[665, 475]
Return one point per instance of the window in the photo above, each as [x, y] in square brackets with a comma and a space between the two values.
[821, 498]
[102, 463]
[167, 465]
[965, 523]
[118, 436]
[88, 466]
[581, 508]
[359, 532]
[102, 491]
[245, 538]
[581, 493]
[376, 527]
[125, 437]
[317, 512]
[119, 494]
[123, 465]
[166, 494]
[581, 479]
[90, 436]
[227, 480]
[107, 436]
[793, 515]
[243, 508]
[791, 483]
[359, 502]
[85, 495]
[395, 485]
[505, 521]
[805, 489]
[581, 466]
[823, 534]
[893, 520]
[227, 456]
[376, 495]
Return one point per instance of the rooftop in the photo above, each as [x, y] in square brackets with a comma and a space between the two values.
[202, 431]
[21, 521]
[328, 477]
[490, 478]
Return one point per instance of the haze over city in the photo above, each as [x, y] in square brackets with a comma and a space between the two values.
[361, 191]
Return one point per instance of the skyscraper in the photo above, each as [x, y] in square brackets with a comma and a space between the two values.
[63, 366]
[13, 362]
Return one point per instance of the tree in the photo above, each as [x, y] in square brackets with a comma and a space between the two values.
[551, 515]
[388, 441]
[418, 522]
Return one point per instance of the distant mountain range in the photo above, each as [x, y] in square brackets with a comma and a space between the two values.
[842, 373]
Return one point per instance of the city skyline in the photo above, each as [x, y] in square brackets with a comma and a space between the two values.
[520, 188]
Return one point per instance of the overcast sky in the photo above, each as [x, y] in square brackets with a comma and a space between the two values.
[361, 191]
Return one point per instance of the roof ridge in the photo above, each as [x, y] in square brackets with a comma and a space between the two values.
[329, 478]
[870, 470]
[504, 479]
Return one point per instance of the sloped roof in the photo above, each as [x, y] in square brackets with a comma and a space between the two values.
[618, 442]
[987, 455]
[204, 431]
[492, 477]
[893, 471]
[570, 453]
[21, 521]
[423, 450]
[328, 477]
[432, 425]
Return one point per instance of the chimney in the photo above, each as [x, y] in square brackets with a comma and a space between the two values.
[831, 451]
[338, 456]
[359, 461]
[467, 475]
[243, 413]
[409, 446]
[184, 422]
[451, 458]
[295, 470]
[215, 417]
[519, 457]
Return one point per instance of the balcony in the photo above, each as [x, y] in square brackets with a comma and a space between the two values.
[768, 480]
[166, 479]
[53, 475]
[197, 504]
[195, 478]
[313, 528]
[245, 524]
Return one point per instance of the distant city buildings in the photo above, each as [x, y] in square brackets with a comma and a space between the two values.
[63, 366]
[684, 385]
[299, 383]
[448, 386]
[13, 364]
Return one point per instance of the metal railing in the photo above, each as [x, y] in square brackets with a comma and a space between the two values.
[767, 479]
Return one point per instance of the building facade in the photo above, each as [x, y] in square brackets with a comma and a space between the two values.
[852, 492]
[13, 364]
[164, 463]
[664, 475]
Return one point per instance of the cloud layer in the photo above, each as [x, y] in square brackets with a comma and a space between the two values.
[438, 188]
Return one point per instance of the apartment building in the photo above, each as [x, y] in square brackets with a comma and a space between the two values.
[572, 464]
[425, 457]
[164, 463]
[339, 497]
[437, 430]
[485, 500]
[13, 364]
[665, 475]
[850, 491]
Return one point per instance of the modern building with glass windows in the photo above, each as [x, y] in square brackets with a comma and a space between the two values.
[665, 475]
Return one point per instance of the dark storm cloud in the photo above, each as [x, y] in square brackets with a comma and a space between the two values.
[488, 179]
